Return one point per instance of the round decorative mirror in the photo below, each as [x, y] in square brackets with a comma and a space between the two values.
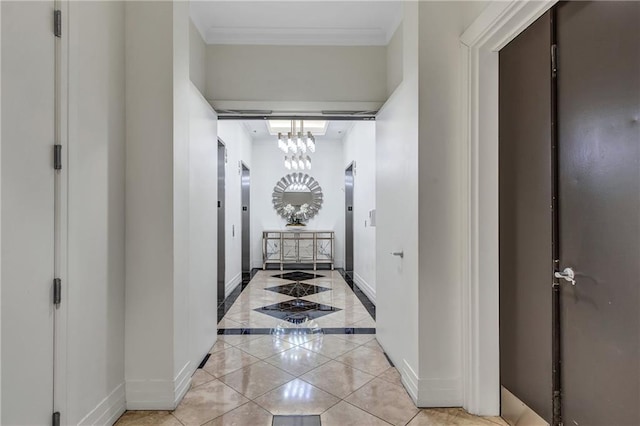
[297, 189]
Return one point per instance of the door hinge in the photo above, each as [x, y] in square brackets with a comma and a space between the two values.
[57, 157]
[55, 419]
[57, 291]
[554, 59]
[57, 23]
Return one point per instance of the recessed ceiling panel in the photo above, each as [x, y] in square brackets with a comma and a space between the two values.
[347, 23]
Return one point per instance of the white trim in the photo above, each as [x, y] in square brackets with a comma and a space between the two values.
[108, 410]
[365, 287]
[0, 212]
[430, 392]
[298, 36]
[410, 380]
[182, 382]
[439, 392]
[150, 394]
[159, 394]
[498, 24]
[395, 24]
[232, 284]
[66, 105]
[284, 107]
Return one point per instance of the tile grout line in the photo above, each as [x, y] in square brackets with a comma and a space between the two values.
[377, 417]
[299, 377]
[416, 415]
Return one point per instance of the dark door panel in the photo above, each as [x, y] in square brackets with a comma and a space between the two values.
[246, 220]
[221, 222]
[599, 189]
[525, 216]
[348, 214]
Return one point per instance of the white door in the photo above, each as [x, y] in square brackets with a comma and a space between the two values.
[27, 223]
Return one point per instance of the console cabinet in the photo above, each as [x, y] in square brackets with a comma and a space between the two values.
[298, 247]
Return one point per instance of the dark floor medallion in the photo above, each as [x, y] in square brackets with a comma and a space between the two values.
[298, 289]
[297, 311]
[298, 276]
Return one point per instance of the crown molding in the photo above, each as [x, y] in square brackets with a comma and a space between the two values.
[298, 36]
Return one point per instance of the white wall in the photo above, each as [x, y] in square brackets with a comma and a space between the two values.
[203, 210]
[360, 146]
[327, 169]
[279, 73]
[238, 144]
[442, 171]
[96, 195]
[27, 211]
[197, 58]
[397, 213]
[394, 61]
[183, 366]
[0, 215]
[149, 205]
[166, 273]
[421, 167]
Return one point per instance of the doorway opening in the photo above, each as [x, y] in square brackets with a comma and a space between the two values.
[221, 221]
[348, 223]
[245, 182]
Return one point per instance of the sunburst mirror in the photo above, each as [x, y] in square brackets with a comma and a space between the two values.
[297, 189]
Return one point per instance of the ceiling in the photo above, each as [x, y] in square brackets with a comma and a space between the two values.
[299, 22]
[335, 129]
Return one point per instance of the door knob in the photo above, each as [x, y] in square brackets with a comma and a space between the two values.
[567, 274]
[398, 253]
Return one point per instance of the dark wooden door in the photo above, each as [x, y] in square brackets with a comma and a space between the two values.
[525, 183]
[599, 217]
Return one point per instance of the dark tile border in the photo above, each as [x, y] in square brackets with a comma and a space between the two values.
[292, 330]
[204, 360]
[225, 305]
[366, 302]
[388, 359]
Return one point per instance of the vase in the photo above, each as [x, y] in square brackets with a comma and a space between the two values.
[295, 224]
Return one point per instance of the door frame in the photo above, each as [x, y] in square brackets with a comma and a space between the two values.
[66, 98]
[244, 166]
[221, 296]
[352, 166]
[494, 28]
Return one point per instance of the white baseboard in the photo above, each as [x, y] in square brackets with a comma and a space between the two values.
[150, 395]
[232, 284]
[439, 393]
[158, 394]
[431, 392]
[410, 380]
[516, 412]
[108, 410]
[182, 382]
[365, 287]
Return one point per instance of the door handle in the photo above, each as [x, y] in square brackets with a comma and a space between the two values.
[398, 253]
[567, 274]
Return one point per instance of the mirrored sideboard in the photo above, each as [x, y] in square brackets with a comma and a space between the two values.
[298, 247]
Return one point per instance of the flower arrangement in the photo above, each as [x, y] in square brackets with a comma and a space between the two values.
[296, 217]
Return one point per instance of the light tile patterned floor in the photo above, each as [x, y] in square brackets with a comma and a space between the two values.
[344, 378]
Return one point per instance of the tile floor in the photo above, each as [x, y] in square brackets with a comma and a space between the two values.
[312, 352]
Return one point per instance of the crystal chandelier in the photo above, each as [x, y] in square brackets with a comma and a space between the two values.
[297, 143]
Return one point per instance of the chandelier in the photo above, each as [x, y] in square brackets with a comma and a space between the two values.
[297, 143]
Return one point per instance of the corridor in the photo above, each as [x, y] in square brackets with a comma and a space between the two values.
[296, 343]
